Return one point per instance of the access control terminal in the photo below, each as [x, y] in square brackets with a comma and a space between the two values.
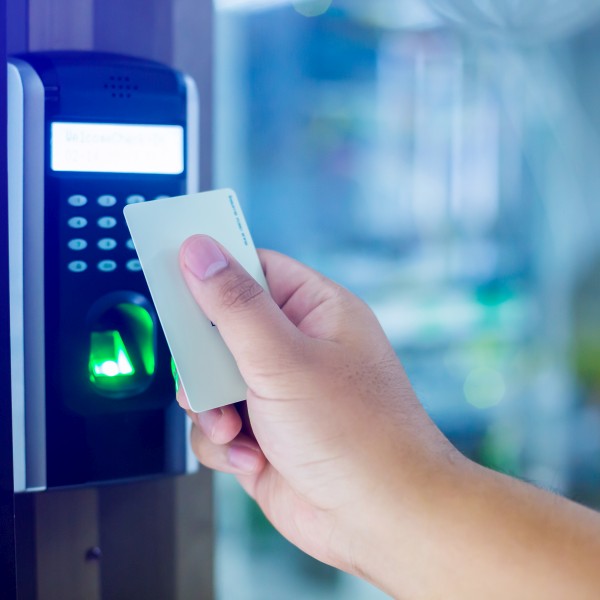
[93, 391]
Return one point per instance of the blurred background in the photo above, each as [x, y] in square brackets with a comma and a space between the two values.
[441, 159]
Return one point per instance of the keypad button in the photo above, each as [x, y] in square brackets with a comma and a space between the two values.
[77, 244]
[77, 200]
[135, 199]
[77, 222]
[129, 243]
[107, 200]
[133, 265]
[77, 266]
[161, 197]
[107, 222]
[107, 265]
[107, 244]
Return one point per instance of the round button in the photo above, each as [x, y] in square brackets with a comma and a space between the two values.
[135, 199]
[107, 200]
[107, 244]
[77, 200]
[107, 222]
[77, 244]
[77, 222]
[107, 265]
[129, 243]
[162, 197]
[77, 266]
[134, 265]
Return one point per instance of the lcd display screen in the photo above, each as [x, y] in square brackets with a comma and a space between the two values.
[117, 148]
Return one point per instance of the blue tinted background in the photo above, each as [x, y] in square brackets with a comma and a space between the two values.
[450, 179]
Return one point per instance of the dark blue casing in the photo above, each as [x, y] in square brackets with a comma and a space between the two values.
[90, 436]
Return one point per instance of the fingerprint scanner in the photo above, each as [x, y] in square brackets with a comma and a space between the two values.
[122, 349]
[109, 356]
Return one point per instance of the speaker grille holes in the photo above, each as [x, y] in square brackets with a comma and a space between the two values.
[120, 86]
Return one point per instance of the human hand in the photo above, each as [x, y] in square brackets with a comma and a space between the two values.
[332, 437]
[341, 457]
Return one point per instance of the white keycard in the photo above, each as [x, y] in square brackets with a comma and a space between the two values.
[206, 367]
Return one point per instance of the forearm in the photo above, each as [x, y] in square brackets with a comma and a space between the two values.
[473, 533]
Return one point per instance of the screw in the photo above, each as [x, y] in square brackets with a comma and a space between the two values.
[93, 553]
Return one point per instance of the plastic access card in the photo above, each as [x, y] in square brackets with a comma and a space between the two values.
[206, 367]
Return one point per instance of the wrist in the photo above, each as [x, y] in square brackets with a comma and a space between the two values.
[395, 536]
[463, 531]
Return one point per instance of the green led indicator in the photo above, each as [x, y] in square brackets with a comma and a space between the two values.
[108, 356]
[175, 374]
[122, 357]
[143, 327]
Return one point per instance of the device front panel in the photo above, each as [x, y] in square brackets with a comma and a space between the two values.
[98, 315]
[108, 371]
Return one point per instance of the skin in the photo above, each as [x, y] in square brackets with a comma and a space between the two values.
[336, 449]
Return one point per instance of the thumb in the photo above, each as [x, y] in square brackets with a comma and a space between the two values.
[254, 328]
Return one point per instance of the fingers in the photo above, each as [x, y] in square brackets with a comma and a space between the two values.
[217, 442]
[241, 456]
[250, 322]
[220, 425]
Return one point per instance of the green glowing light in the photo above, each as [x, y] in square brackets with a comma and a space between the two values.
[111, 368]
[143, 326]
[175, 374]
[108, 355]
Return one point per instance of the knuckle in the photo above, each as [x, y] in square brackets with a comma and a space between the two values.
[240, 291]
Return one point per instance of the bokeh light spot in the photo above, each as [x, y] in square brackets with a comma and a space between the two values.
[484, 387]
[311, 8]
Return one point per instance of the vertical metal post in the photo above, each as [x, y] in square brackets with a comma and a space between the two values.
[193, 45]
[7, 508]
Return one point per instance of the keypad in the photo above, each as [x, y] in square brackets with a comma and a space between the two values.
[107, 222]
[107, 244]
[94, 219]
[107, 200]
[77, 200]
[77, 244]
[133, 265]
[77, 266]
[77, 222]
[107, 265]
